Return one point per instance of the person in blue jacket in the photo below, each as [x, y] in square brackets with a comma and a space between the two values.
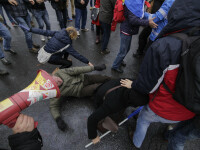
[60, 39]
[133, 12]
[160, 19]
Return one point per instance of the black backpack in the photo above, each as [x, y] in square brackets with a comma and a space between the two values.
[187, 89]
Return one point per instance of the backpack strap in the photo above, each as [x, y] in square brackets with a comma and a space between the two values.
[110, 90]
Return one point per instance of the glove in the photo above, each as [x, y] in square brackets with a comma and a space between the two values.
[100, 67]
[61, 124]
[25, 28]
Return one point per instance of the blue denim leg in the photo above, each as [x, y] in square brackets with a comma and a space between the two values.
[106, 35]
[146, 117]
[184, 131]
[124, 49]
[5, 33]
[46, 20]
[38, 16]
[25, 21]
[84, 18]
[1, 13]
[77, 19]
[9, 15]
[91, 3]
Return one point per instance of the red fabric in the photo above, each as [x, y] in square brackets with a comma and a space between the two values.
[97, 5]
[164, 105]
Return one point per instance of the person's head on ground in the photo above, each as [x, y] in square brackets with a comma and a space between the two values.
[58, 80]
[72, 32]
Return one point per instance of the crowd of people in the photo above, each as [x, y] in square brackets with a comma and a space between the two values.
[159, 68]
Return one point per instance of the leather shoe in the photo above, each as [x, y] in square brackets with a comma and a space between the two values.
[36, 46]
[118, 70]
[3, 72]
[104, 52]
[11, 51]
[5, 61]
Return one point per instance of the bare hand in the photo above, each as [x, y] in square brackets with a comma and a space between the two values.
[126, 83]
[39, 1]
[96, 140]
[13, 2]
[90, 64]
[32, 2]
[56, 0]
[24, 123]
[152, 24]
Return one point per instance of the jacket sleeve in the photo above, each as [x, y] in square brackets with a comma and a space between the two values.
[78, 70]
[43, 32]
[55, 106]
[75, 54]
[162, 53]
[161, 13]
[26, 141]
[136, 21]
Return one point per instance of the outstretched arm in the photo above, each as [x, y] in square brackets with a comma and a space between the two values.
[43, 32]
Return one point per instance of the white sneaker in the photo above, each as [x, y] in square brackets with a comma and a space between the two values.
[78, 33]
[42, 38]
[49, 37]
[85, 30]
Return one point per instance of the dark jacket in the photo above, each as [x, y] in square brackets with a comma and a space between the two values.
[19, 10]
[161, 62]
[38, 6]
[59, 40]
[79, 5]
[60, 5]
[132, 23]
[106, 11]
[26, 141]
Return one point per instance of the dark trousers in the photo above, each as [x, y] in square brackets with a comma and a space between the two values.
[91, 82]
[143, 39]
[106, 35]
[62, 17]
[98, 30]
[148, 45]
[57, 59]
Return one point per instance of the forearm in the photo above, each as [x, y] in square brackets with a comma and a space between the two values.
[43, 32]
[55, 107]
[78, 70]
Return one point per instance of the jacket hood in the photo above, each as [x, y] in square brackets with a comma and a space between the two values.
[136, 7]
[182, 15]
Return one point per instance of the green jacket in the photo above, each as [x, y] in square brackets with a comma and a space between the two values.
[73, 79]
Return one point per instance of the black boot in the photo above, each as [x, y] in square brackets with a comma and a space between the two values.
[61, 124]
[3, 72]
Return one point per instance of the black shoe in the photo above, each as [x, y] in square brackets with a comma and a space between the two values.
[11, 51]
[5, 61]
[118, 70]
[61, 124]
[33, 50]
[123, 64]
[104, 52]
[36, 46]
[3, 72]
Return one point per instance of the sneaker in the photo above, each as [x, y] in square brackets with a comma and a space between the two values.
[33, 50]
[85, 30]
[36, 46]
[73, 16]
[104, 52]
[69, 19]
[97, 40]
[3, 72]
[14, 25]
[49, 37]
[11, 51]
[118, 70]
[78, 34]
[42, 38]
[5, 61]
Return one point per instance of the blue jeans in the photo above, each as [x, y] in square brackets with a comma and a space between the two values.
[81, 15]
[62, 17]
[146, 117]
[184, 131]
[106, 35]
[42, 17]
[91, 3]
[8, 14]
[124, 49]
[5, 33]
[26, 21]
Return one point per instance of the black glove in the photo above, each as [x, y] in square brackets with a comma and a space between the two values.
[61, 124]
[100, 67]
